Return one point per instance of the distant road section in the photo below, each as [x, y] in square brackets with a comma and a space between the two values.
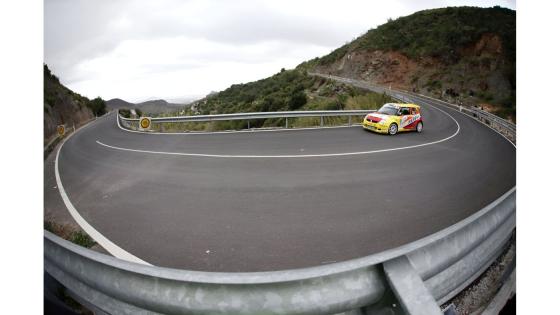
[258, 201]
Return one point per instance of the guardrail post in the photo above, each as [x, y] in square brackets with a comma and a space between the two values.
[248, 124]
[286, 122]
[321, 121]
[409, 288]
[349, 120]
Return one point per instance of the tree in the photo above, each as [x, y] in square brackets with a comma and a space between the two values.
[297, 100]
[97, 106]
[124, 112]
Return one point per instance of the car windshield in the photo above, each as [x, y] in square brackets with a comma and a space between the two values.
[388, 110]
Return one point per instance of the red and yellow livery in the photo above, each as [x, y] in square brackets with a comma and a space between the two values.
[392, 118]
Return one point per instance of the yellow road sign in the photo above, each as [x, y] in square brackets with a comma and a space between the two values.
[145, 122]
[60, 130]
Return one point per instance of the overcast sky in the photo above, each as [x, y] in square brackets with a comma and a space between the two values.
[173, 49]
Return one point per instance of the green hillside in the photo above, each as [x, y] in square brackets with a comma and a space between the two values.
[285, 91]
[435, 33]
[64, 106]
[463, 54]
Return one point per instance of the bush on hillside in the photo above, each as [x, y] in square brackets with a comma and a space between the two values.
[297, 100]
[97, 106]
[125, 113]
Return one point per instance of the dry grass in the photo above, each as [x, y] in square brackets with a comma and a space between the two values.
[69, 233]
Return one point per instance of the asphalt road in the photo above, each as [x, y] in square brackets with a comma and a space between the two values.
[232, 212]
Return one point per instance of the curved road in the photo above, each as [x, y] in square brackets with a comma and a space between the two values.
[256, 201]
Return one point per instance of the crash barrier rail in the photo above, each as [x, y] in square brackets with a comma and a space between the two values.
[412, 279]
[132, 123]
[505, 127]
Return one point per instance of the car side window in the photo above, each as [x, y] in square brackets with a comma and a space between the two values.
[413, 111]
[405, 111]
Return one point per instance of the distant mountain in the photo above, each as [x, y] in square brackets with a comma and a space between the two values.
[117, 103]
[147, 107]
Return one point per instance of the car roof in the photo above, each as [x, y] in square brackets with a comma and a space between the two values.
[404, 105]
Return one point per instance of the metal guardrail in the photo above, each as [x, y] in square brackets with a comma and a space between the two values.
[415, 278]
[505, 127]
[132, 123]
[499, 124]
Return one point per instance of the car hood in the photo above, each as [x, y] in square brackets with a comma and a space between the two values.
[378, 115]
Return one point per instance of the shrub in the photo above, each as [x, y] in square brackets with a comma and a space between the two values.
[297, 100]
[82, 239]
[69, 233]
[125, 113]
[97, 106]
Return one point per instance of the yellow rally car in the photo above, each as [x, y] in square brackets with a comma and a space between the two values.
[392, 118]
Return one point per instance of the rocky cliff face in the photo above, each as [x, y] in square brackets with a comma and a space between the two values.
[62, 106]
[480, 71]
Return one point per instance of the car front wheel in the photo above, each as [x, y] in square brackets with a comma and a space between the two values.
[393, 128]
[419, 127]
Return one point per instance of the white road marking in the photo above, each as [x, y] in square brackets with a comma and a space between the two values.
[471, 117]
[289, 156]
[90, 230]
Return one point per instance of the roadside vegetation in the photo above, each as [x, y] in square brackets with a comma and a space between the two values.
[127, 113]
[52, 95]
[69, 233]
[62, 106]
[124, 112]
[288, 90]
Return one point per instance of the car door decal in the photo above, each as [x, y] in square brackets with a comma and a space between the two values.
[409, 119]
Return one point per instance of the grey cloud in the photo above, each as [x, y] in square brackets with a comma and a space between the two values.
[79, 29]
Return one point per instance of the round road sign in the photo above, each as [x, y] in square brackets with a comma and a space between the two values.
[60, 130]
[145, 122]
